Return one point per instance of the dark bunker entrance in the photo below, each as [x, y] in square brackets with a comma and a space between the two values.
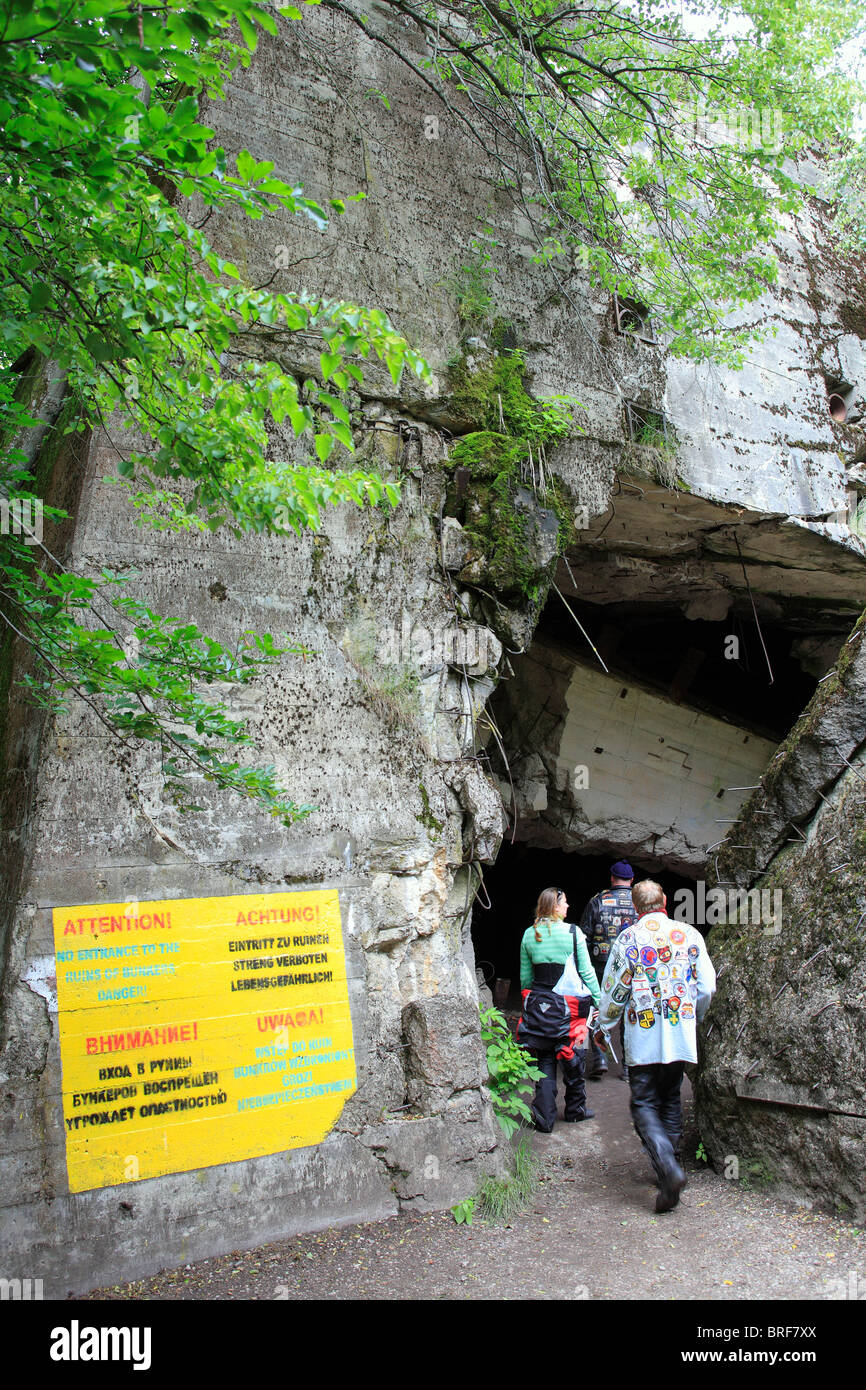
[505, 907]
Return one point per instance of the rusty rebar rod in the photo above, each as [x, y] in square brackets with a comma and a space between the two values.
[821, 950]
[580, 625]
[832, 1005]
[848, 765]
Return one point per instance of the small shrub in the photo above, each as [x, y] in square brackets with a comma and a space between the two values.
[472, 283]
[654, 453]
[464, 1211]
[512, 1071]
[501, 1199]
[758, 1175]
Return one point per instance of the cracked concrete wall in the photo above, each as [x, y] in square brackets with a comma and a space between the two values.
[403, 803]
[764, 437]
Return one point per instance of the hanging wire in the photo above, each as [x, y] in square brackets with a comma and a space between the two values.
[754, 609]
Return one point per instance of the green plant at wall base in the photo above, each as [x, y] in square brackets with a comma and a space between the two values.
[758, 1174]
[701, 1153]
[501, 1199]
[464, 1211]
[512, 1072]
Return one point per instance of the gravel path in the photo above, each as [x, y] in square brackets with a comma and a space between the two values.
[589, 1232]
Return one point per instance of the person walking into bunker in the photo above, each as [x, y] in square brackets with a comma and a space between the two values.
[553, 1024]
[659, 974]
[604, 917]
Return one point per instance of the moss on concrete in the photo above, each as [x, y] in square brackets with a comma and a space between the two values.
[513, 428]
[499, 532]
[427, 818]
[492, 394]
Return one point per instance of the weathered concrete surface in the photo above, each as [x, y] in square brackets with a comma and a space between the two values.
[387, 750]
[655, 544]
[738, 440]
[781, 1082]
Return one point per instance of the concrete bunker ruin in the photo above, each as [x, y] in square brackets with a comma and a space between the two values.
[678, 646]
[754, 505]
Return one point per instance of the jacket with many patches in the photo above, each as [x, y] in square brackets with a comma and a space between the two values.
[660, 975]
[604, 917]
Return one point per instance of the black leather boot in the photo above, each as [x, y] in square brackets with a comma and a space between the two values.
[651, 1088]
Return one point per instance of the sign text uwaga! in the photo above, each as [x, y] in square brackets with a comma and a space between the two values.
[199, 1031]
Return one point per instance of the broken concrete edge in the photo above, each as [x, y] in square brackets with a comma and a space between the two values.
[804, 769]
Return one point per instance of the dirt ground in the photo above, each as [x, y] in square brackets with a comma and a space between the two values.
[589, 1233]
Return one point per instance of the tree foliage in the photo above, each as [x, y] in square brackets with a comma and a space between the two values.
[108, 276]
[658, 142]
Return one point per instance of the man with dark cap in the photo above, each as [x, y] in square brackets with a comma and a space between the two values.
[604, 917]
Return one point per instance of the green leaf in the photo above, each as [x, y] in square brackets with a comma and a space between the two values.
[329, 361]
[324, 443]
[39, 296]
[344, 434]
[335, 406]
[99, 348]
[248, 30]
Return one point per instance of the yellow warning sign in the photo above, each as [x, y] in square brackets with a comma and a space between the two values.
[198, 1031]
